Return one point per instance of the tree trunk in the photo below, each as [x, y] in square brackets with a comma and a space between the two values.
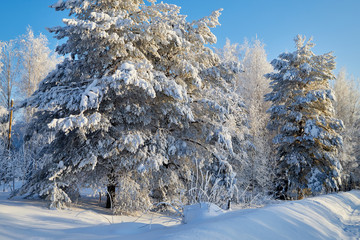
[110, 196]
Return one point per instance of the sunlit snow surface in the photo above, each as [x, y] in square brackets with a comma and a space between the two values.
[335, 216]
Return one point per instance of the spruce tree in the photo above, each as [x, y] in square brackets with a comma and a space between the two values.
[302, 116]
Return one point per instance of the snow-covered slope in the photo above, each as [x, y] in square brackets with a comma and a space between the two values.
[335, 216]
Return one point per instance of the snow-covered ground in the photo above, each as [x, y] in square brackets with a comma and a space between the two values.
[335, 216]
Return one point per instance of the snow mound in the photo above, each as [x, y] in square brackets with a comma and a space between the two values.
[200, 212]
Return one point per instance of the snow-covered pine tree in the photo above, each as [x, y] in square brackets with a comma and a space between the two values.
[302, 115]
[122, 104]
[347, 108]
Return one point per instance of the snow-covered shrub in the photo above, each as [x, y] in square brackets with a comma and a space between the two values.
[206, 187]
[131, 196]
[57, 197]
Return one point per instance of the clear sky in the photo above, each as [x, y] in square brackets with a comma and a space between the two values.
[334, 24]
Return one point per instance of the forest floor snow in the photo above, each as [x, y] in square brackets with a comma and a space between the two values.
[333, 216]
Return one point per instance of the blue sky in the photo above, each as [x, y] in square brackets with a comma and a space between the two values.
[334, 24]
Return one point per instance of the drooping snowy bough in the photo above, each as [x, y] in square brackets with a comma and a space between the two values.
[140, 102]
[302, 115]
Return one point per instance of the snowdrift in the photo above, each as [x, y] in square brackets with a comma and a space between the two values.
[334, 216]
